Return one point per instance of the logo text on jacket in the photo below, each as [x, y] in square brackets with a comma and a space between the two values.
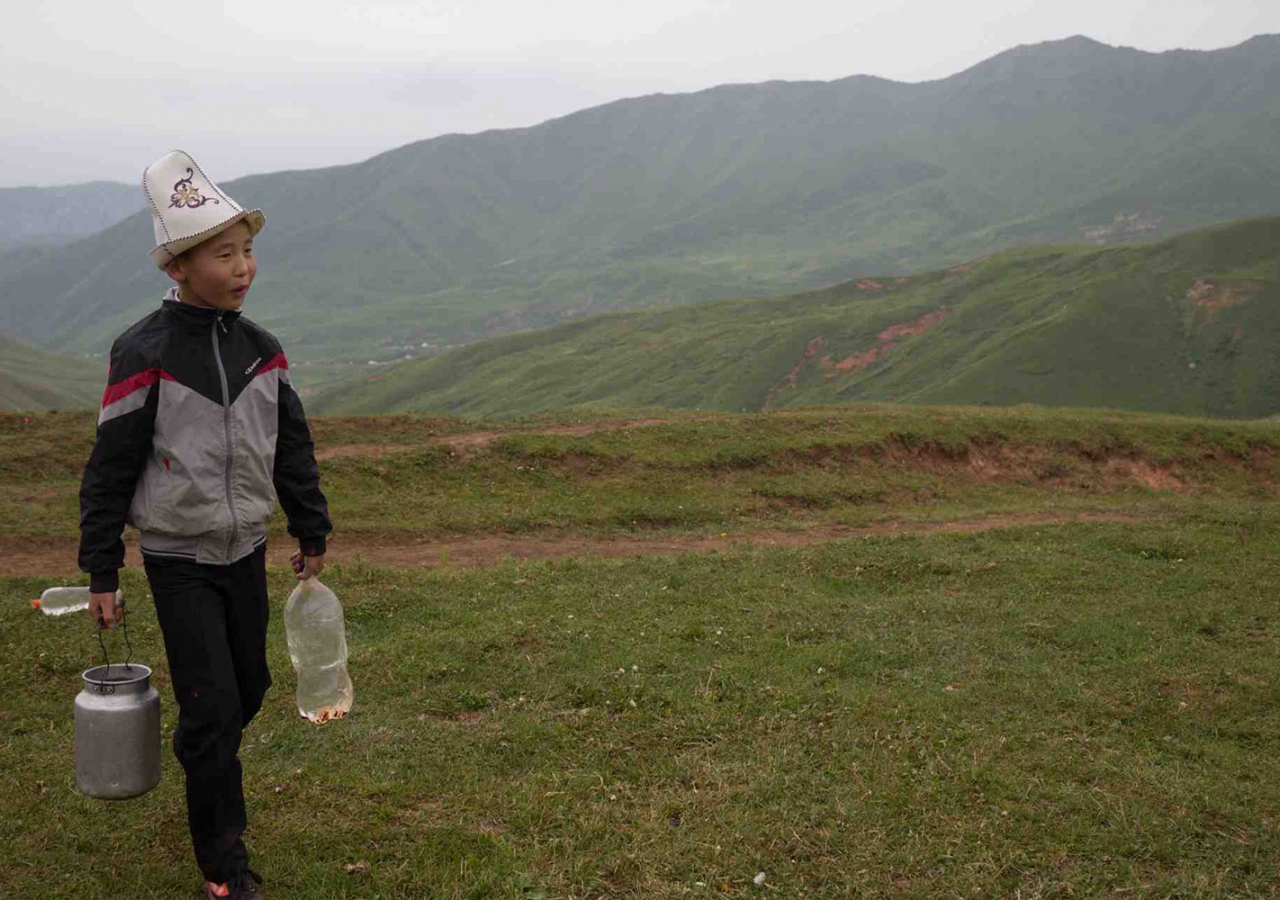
[253, 365]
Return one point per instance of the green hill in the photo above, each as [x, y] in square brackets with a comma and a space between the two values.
[1188, 325]
[31, 379]
[52, 216]
[737, 191]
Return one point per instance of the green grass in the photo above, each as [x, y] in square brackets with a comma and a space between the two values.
[1087, 711]
[1183, 326]
[707, 474]
[34, 380]
[1084, 709]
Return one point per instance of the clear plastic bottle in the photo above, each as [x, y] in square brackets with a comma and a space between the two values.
[317, 637]
[58, 601]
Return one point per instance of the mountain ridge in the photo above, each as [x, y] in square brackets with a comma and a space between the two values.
[734, 191]
[43, 217]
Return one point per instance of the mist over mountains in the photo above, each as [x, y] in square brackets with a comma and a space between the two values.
[53, 216]
[737, 191]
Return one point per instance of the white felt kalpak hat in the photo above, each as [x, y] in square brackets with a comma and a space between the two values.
[187, 207]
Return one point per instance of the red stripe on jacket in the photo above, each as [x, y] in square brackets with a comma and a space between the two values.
[143, 379]
[276, 362]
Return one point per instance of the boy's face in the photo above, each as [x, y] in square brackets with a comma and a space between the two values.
[217, 273]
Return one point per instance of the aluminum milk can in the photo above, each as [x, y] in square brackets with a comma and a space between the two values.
[117, 732]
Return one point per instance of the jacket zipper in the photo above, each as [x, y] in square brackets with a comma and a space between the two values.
[226, 425]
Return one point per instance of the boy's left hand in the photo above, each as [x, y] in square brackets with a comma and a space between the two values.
[306, 566]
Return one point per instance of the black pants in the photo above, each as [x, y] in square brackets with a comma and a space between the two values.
[214, 620]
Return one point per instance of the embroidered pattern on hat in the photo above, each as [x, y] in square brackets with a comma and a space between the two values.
[187, 194]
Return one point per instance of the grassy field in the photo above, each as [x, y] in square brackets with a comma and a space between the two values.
[397, 476]
[1075, 707]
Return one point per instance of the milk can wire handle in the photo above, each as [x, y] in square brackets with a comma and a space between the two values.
[124, 626]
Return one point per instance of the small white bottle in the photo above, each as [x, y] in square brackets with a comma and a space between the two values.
[58, 601]
[317, 638]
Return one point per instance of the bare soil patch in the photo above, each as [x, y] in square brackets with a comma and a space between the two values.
[858, 361]
[56, 556]
[1004, 463]
[792, 379]
[1209, 298]
[1154, 477]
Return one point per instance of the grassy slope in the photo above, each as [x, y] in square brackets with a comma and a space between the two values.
[1084, 710]
[745, 190]
[1061, 326]
[32, 379]
[705, 475]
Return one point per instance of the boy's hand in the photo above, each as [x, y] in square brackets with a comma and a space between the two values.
[103, 609]
[306, 566]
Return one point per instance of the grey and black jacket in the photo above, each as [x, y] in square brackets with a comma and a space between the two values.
[200, 431]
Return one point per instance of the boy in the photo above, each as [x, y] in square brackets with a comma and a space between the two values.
[200, 431]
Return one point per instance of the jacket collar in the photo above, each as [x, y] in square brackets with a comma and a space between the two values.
[200, 316]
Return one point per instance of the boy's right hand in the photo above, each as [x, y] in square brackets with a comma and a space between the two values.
[103, 609]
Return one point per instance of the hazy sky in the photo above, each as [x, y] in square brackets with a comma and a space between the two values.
[95, 89]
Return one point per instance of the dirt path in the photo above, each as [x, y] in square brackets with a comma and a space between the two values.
[56, 556]
[474, 441]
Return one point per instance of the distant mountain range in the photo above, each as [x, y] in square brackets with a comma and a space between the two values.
[53, 216]
[737, 191]
[1188, 325]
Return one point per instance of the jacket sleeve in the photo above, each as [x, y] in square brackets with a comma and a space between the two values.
[296, 475]
[126, 423]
